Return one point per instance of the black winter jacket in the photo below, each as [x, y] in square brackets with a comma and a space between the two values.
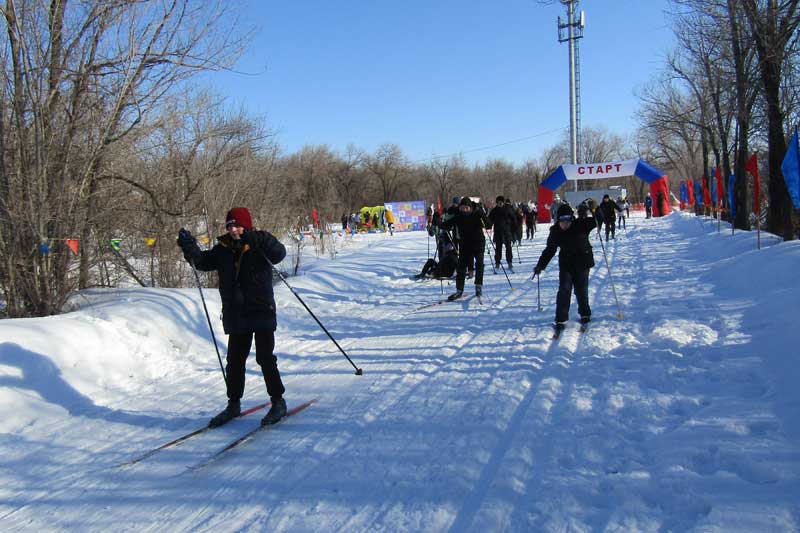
[504, 221]
[606, 210]
[575, 252]
[470, 227]
[245, 279]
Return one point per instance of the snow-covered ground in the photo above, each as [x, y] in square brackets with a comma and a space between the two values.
[682, 415]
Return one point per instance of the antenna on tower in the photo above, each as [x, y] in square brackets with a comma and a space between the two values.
[574, 31]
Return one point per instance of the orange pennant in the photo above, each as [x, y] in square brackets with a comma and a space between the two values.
[73, 245]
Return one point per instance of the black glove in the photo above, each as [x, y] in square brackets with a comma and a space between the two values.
[537, 270]
[185, 239]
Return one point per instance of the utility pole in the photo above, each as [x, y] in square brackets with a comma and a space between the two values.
[574, 27]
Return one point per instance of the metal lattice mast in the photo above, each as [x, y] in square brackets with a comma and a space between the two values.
[578, 130]
[574, 27]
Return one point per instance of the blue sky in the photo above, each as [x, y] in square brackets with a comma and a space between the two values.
[439, 77]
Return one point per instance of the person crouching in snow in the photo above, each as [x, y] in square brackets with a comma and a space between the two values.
[248, 305]
[445, 267]
[470, 222]
[575, 259]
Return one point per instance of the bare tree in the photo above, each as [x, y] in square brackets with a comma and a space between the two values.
[387, 165]
[774, 27]
[446, 175]
[80, 78]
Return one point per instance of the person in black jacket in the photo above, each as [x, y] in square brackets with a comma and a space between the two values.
[446, 266]
[470, 222]
[607, 214]
[504, 222]
[530, 220]
[575, 259]
[242, 260]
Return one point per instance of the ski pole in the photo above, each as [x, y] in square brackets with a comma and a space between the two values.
[538, 292]
[208, 317]
[519, 254]
[359, 372]
[611, 279]
[491, 259]
[435, 252]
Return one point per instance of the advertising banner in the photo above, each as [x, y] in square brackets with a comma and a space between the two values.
[408, 216]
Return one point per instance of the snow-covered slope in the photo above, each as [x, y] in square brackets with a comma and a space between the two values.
[682, 415]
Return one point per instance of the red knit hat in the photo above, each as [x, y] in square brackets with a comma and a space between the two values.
[239, 216]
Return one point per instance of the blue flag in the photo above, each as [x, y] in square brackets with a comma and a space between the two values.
[791, 170]
[731, 183]
[698, 192]
[684, 192]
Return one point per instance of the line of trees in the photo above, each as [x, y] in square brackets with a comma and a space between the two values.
[728, 89]
[105, 134]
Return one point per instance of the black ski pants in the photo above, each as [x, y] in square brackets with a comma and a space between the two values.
[238, 349]
[530, 231]
[610, 227]
[568, 281]
[499, 242]
[471, 253]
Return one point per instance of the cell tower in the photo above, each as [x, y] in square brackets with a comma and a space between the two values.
[574, 31]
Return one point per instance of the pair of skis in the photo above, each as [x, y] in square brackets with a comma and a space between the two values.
[444, 301]
[558, 331]
[237, 442]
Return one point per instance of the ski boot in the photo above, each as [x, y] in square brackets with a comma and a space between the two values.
[558, 328]
[456, 295]
[233, 410]
[275, 413]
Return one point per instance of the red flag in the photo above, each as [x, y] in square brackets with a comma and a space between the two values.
[706, 192]
[315, 216]
[73, 245]
[439, 208]
[720, 188]
[690, 184]
[752, 167]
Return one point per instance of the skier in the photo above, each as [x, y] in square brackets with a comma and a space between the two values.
[575, 258]
[447, 264]
[554, 207]
[248, 305]
[503, 220]
[648, 206]
[607, 214]
[519, 216]
[470, 222]
[530, 221]
[623, 203]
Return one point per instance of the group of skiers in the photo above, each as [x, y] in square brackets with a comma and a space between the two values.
[463, 227]
[244, 259]
[461, 234]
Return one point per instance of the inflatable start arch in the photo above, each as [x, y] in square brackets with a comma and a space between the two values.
[659, 186]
